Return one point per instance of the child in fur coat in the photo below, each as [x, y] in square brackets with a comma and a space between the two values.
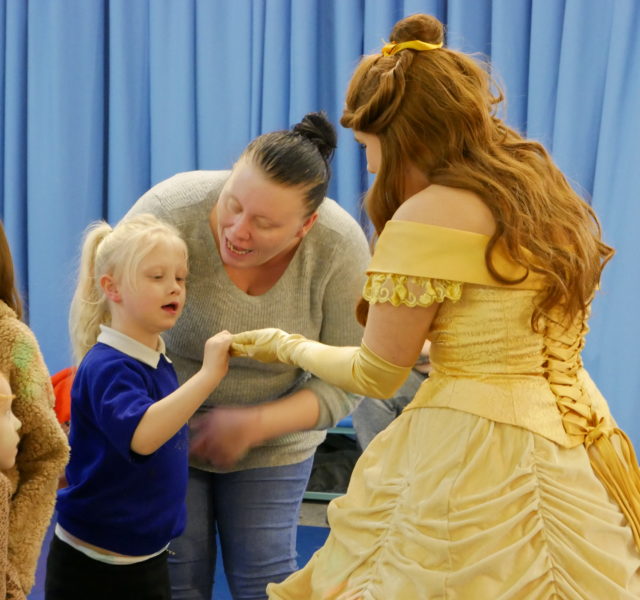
[9, 438]
[43, 449]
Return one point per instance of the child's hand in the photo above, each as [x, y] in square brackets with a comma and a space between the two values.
[215, 362]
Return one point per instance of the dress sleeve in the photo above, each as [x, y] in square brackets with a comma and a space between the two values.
[408, 290]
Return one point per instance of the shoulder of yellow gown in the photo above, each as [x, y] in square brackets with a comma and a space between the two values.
[431, 251]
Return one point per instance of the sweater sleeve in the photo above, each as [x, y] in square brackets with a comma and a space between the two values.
[42, 455]
[339, 325]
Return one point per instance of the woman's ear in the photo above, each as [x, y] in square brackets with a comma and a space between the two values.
[307, 225]
[110, 288]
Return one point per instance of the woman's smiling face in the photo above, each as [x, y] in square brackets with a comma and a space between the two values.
[256, 220]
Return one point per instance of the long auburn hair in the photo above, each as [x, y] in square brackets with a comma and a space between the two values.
[9, 293]
[436, 109]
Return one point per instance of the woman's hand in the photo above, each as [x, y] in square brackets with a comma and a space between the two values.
[225, 434]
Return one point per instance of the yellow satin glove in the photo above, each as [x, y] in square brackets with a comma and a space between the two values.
[354, 369]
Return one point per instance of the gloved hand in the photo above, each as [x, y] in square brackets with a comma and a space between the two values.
[266, 345]
[354, 369]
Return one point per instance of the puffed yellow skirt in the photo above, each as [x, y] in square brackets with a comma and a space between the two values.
[447, 505]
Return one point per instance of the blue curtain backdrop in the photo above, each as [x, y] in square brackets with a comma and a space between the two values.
[100, 99]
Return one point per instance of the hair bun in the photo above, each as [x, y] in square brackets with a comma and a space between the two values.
[418, 27]
[317, 128]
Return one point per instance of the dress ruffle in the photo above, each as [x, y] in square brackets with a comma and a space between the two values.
[408, 290]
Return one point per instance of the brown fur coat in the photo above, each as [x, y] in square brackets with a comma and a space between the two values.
[42, 453]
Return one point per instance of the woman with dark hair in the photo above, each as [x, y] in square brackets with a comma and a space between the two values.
[266, 248]
[506, 476]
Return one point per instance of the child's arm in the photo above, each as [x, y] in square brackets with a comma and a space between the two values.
[164, 418]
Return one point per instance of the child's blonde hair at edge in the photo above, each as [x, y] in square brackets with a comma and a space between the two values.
[116, 251]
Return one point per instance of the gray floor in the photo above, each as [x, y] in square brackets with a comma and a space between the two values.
[313, 513]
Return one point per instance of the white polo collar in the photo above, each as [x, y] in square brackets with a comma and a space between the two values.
[132, 347]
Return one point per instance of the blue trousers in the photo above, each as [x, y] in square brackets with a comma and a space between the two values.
[255, 515]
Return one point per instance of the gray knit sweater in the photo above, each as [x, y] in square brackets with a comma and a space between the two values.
[316, 297]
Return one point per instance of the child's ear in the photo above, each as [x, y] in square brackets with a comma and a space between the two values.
[110, 288]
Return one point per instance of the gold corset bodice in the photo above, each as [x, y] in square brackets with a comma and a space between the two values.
[487, 360]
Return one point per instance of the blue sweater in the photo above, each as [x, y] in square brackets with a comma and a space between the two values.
[117, 499]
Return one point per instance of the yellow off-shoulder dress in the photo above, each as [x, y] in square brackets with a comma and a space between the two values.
[506, 476]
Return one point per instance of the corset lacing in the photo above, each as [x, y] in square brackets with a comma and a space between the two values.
[617, 469]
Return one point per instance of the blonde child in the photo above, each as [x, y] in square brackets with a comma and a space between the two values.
[128, 471]
[43, 449]
[9, 438]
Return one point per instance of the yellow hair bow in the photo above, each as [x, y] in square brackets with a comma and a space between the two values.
[392, 47]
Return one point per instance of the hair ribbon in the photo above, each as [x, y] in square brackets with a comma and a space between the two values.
[392, 47]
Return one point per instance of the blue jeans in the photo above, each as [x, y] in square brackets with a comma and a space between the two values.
[255, 514]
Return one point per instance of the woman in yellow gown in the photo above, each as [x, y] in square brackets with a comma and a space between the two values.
[506, 476]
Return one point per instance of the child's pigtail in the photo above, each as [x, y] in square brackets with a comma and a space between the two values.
[89, 307]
